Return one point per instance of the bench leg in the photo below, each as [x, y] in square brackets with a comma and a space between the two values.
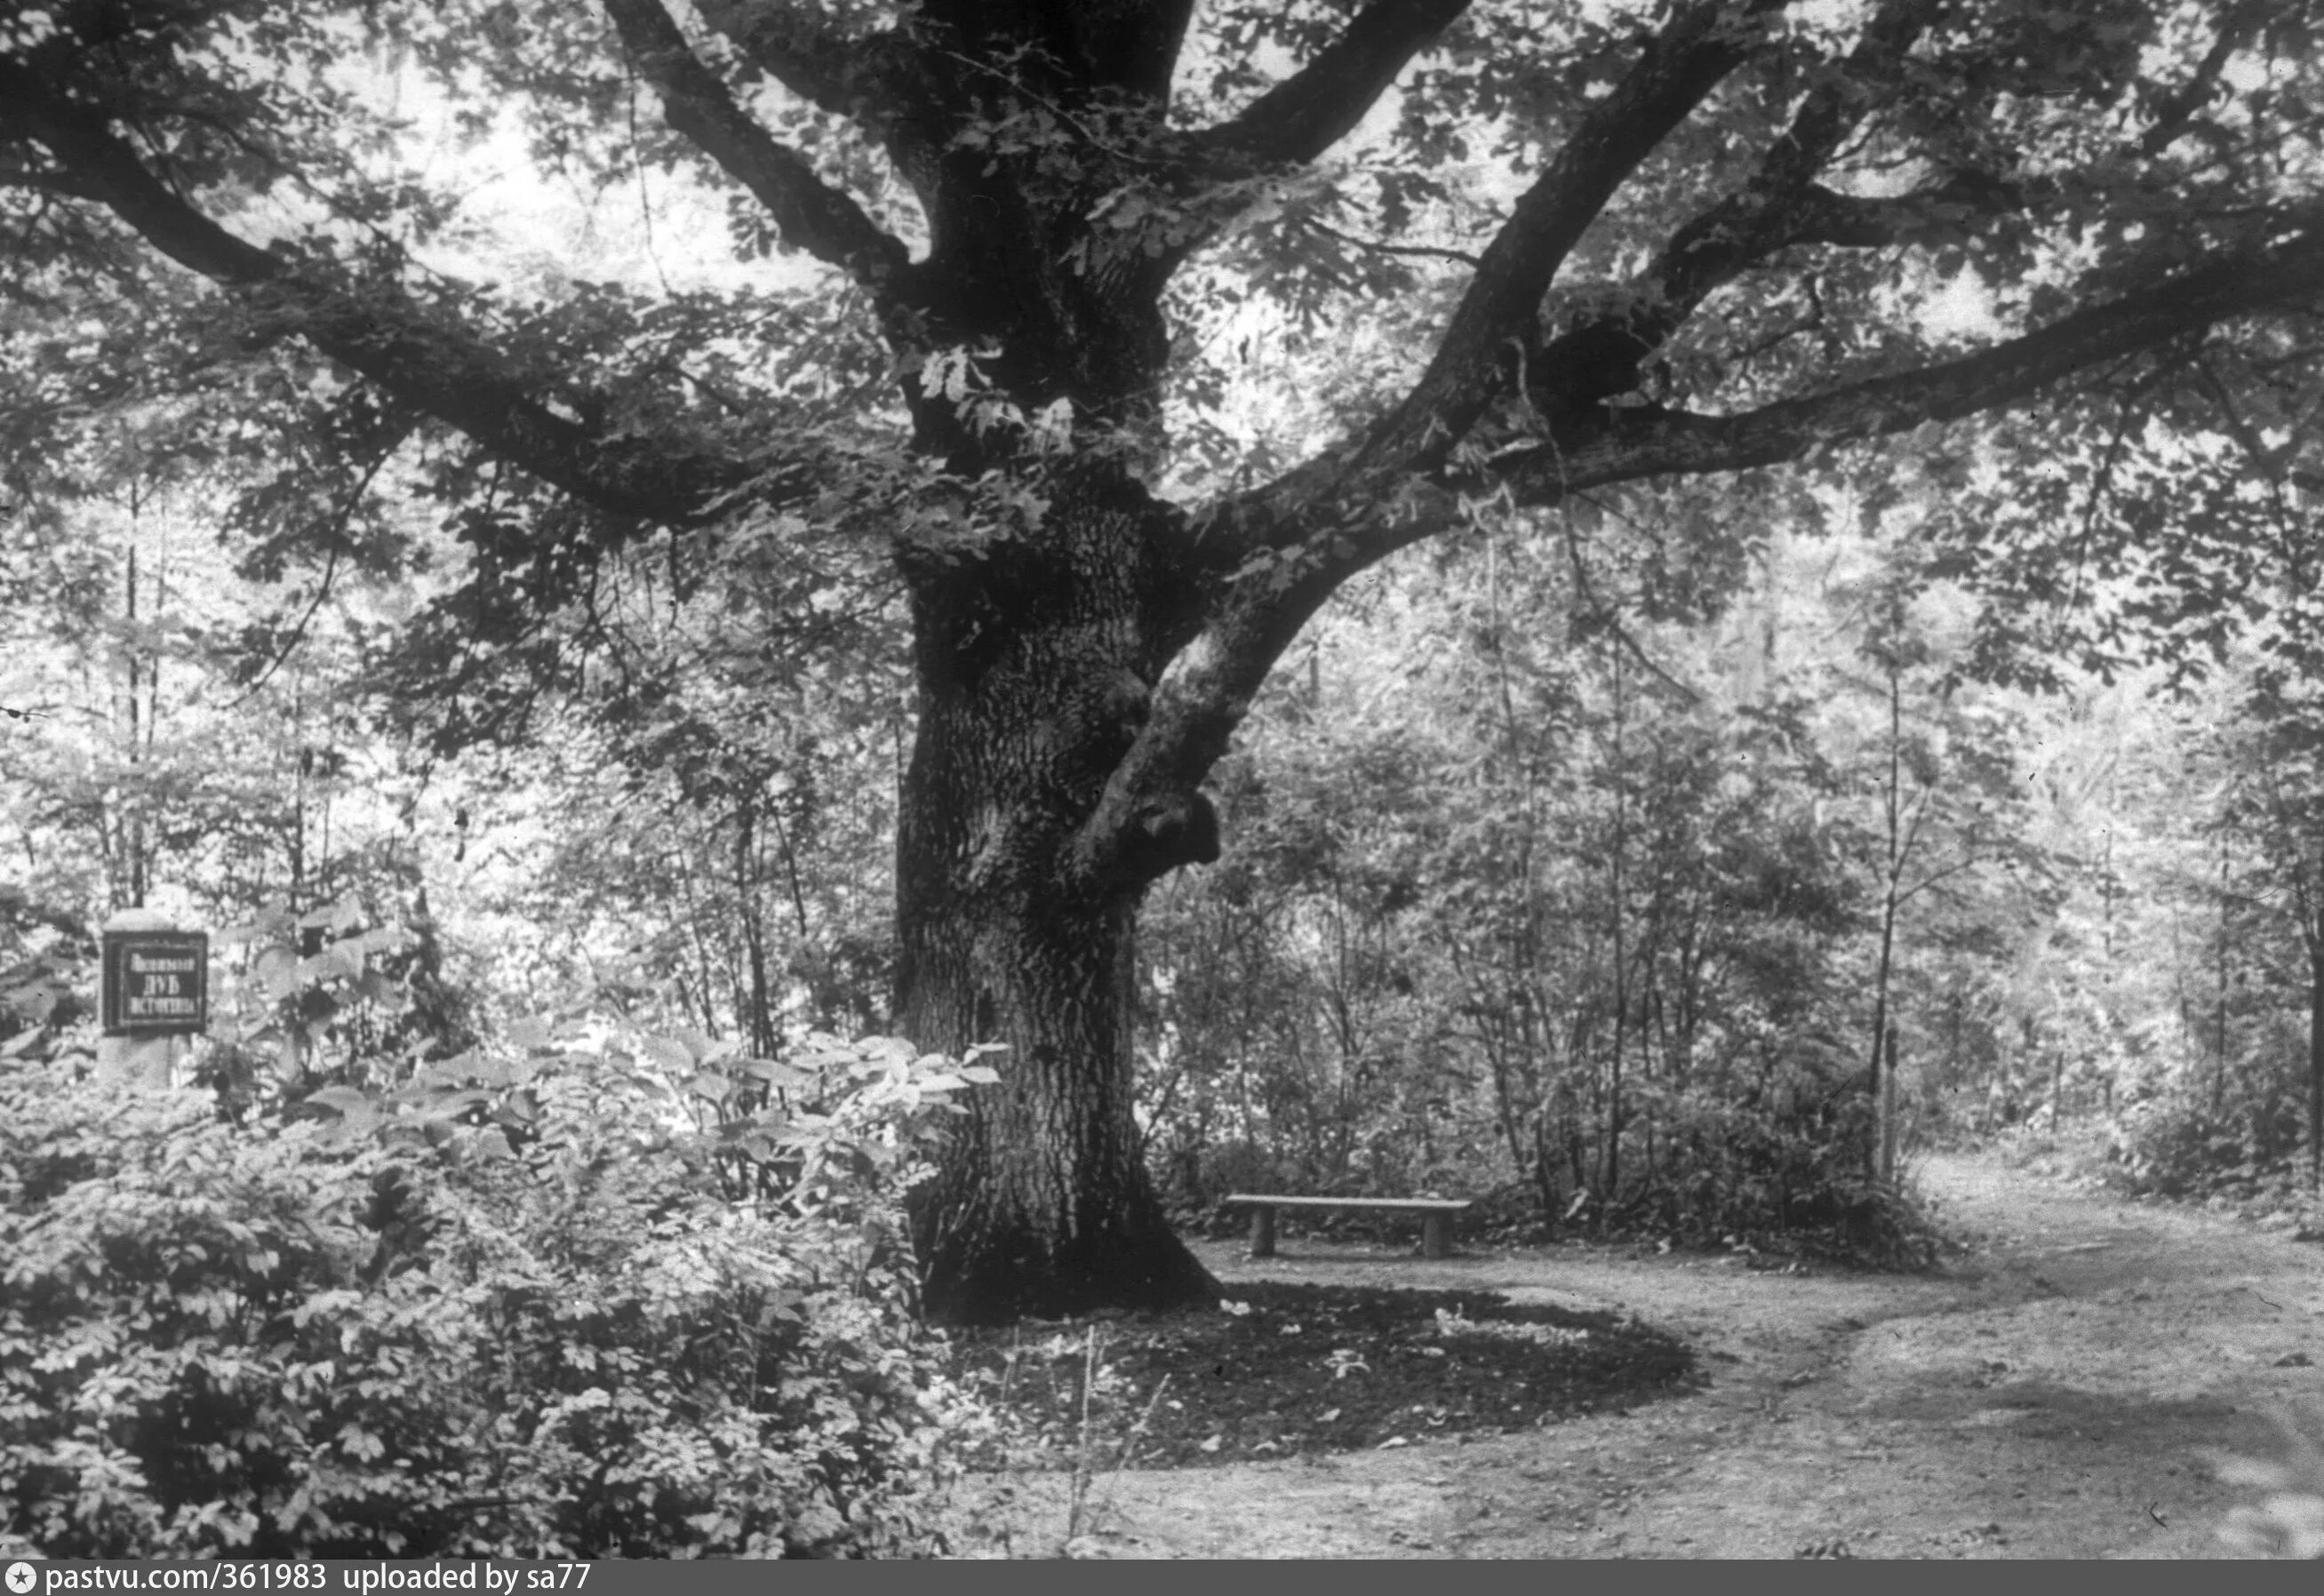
[1436, 1235]
[1263, 1232]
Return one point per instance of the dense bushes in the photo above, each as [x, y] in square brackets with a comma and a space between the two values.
[2189, 1140]
[397, 1329]
[1781, 1176]
[1615, 977]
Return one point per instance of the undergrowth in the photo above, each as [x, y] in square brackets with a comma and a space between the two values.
[533, 1322]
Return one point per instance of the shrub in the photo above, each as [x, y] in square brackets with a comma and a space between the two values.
[390, 1328]
[2194, 1139]
[1784, 1172]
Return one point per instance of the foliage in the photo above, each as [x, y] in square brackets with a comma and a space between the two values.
[2220, 1093]
[392, 1327]
[2237, 1133]
[1567, 909]
[45, 957]
[1065, 361]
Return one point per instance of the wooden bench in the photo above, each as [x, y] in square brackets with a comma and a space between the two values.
[1435, 1227]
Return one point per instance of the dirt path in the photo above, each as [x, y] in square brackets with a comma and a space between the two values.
[2055, 1394]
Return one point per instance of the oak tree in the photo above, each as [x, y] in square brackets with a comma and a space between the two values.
[1574, 244]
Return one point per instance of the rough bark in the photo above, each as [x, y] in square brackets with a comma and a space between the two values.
[1044, 1206]
[1034, 666]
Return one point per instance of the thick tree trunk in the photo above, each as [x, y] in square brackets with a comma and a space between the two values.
[1044, 1206]
[1035, 659]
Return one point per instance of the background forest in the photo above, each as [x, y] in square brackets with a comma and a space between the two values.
[1632, 612]
[1585, 881]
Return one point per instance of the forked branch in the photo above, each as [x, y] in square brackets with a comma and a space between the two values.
[1701, 44]
[1780, 206]
[811, 214]
[1319, 104]
[373, 328]
[1304, 537]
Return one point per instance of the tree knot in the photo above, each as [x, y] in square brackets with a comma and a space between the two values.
[1171, 829]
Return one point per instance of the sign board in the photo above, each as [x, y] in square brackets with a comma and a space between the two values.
[156, 983]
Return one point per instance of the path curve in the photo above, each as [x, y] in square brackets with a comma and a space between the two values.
[2057, 1392]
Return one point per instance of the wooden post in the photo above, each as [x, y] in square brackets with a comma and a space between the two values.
[153, 997]
[1436, 1235]
[1262, 1231]
[139, 1061]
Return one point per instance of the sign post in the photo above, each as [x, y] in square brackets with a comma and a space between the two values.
[156, 990]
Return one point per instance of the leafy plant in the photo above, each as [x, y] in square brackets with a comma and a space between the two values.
[393, 1329]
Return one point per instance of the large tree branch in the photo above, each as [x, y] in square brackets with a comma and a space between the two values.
[1319, 104]
[2175, 112]
[812, 215]
[872, 81]
[1295, 122]
[1855, 221]
[802, 53]
[1780, 206]
[1304, 540]
[1783, 207]
[376, 330]
[1701, 44]
[1634, 443]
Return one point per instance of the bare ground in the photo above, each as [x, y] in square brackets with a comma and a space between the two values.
[2058, 1391]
